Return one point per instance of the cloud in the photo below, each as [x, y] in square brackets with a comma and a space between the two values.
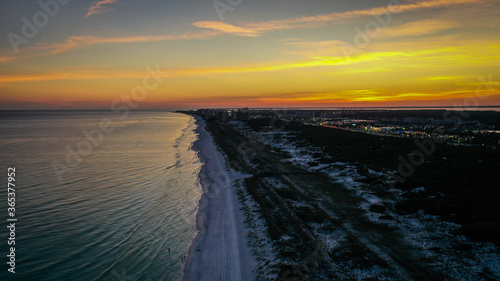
[315, 48]
[334, 66]
[257, 28]
[416, 96]
[377, 11]
[79, 74]
[250, 29]
[226, 28]
[447, 78]
[69, 74]
[82, 41]
[364, 61]
[74, 42]
[100, 7]
[6, 58]
[417, 28]
[315, 44]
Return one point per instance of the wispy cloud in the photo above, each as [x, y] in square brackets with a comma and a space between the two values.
[373, 62]
[72, 74]
[417, 28]
[227, 28]
[377, 11]
[417, 96]
[314, 44]
[100, 7]
[74, 42]
[251, 29]
[256, 28]
[315, 62]
[448, 78]
[314, 48]
[6, 58]
[338, 47]
[83, 41]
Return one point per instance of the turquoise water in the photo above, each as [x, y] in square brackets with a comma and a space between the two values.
[123, 205]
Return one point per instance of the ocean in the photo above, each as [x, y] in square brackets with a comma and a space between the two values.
[98, 195]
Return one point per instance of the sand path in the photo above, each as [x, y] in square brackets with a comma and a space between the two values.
[219, 251]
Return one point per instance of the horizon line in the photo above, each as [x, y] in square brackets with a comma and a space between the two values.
[269, 108]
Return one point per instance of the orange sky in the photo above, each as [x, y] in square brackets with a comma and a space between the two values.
[259, 54]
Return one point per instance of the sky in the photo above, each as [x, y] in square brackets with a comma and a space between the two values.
[188, 54]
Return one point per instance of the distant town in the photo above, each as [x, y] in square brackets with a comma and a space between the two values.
[463, 129]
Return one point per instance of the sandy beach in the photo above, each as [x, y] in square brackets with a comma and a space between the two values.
[219, 250]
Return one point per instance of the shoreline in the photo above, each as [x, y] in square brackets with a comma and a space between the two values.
[219, 250]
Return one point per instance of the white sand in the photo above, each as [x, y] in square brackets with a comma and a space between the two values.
[219, 251]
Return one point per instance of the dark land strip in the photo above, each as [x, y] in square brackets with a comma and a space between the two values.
[307, 257]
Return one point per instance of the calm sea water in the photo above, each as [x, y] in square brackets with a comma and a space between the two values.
[124, 211]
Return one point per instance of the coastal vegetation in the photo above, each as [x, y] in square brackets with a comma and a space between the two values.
[461, 183]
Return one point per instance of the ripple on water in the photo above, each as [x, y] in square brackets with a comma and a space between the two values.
[126, 210]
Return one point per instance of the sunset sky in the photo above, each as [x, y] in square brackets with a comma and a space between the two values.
[250, 53]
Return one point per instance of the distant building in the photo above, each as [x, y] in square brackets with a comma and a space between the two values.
[304, 114]
[242, 114]
[223, 115]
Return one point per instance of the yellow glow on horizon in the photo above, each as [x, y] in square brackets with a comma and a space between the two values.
[293, 61]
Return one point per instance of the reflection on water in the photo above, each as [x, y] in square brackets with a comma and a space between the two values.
[125, 212]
